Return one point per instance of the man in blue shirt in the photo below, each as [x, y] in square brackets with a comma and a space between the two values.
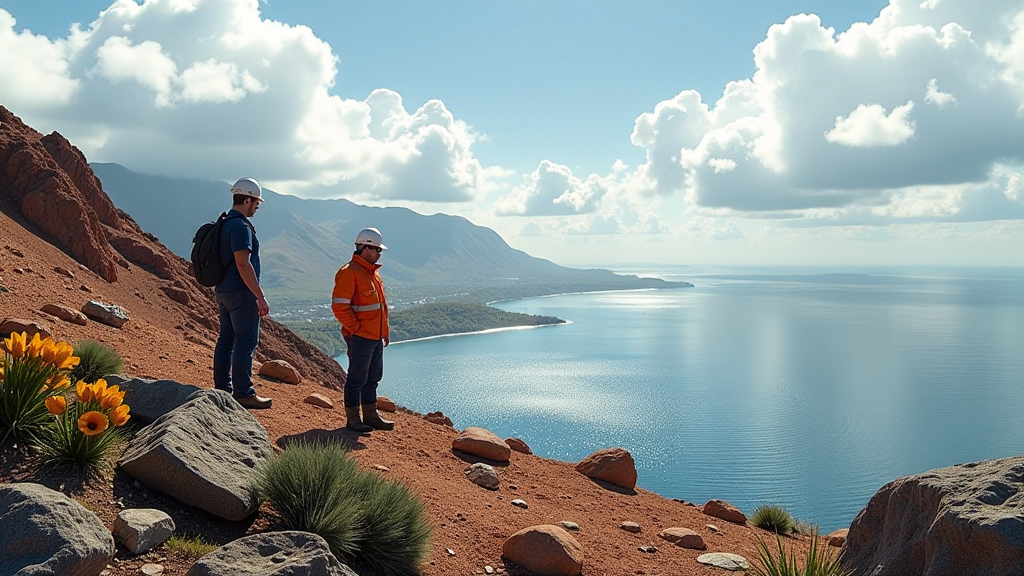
[240, 299]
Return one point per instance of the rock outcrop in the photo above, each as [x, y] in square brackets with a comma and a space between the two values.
[965, 520]
[272, 554]
[203, 453]
[45, 532]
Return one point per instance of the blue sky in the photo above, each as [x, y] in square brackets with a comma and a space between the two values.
[587, 132]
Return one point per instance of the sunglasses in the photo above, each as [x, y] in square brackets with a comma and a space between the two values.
[376, 249]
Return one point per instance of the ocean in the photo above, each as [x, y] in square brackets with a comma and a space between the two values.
[803, 388]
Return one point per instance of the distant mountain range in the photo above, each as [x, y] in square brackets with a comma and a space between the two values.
[304, 242]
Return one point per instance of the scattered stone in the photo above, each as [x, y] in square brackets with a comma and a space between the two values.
[290, 553]
[15, 251]
[731, 562]
[318, 399]
[650, 549]
[683, 537]
[630, 527]
[712, 528]
[64, 272]
[65, 313]
[488, 569]
[385, 404]
[152, 569]
[837, 537]
[151, 399]
[44, 532]
[109, 314]
[280, 370]
[612, 465]
[521, 503]
[18, 325]
[483, 443]
[483, 475]
[518, 445]
[725, 511]
[381, 468]
[85, 288]
[142, 529]
[570, 526]
[438, 418]
[215, 475]
[964, 519]
[545, 549]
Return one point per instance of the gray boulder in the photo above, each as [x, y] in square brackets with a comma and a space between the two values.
[43, 532]
[965, 520]
[151, 399]
[272, 554]
[204, 453]
[109, 314]
[483, 475]
[142, 529]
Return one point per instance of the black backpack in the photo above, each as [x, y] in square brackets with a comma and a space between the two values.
[207, 268]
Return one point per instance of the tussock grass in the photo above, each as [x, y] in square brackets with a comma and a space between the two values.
[778, 561]
[95, 360]
[191, 546]
[773, 518]
[376, 526]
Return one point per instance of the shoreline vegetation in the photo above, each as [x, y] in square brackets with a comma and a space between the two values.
[459, 316]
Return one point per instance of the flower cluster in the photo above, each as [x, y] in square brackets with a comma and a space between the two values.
[97, 407]
[31, 371]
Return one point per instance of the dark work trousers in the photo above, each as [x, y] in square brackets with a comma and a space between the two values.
[365, 369]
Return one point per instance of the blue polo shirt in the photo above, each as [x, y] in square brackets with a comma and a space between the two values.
[235, 235]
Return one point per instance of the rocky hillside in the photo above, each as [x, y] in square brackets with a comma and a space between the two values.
[55, 215]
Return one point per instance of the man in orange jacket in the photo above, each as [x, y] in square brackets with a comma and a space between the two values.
[358, 302]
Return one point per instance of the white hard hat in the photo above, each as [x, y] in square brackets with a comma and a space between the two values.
[248, 187]
[370, 237]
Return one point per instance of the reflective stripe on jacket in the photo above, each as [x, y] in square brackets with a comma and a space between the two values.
[358, 300]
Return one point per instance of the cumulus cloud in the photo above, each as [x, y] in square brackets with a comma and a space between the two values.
[210, 89]
[854, 120]
[552, 190]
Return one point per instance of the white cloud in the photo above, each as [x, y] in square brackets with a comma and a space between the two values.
[552, 190]
[828, 121]
[211, 90]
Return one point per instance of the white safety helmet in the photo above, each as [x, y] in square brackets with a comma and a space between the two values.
[248, 187]
[370, 237]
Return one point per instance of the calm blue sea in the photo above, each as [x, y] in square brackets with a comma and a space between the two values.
[804, 388]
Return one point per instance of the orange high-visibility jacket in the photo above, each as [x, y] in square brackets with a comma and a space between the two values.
[358, 300]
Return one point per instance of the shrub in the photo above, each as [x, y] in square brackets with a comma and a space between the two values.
[774, 518]
[375, 526]
[85, 432]
[96, 360]
[820, 561]
[31, 372]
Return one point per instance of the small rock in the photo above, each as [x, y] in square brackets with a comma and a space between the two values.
[381, 468]
[838, 537]
[29, 327]
[483, 475]
[725, 511]
[732, 562]
[152, 569]
[630, 527]
[570, 526]
[317, 399]
[650, 549]
[483, 443]
[438, 418]
[280, 370]
[64, 272]
[612, 465]
[521, 503]
[518, 445]
[450, 551]
[65, 313]
[712, 528]
[683, 537]
[109, 314]
[385, 404]
[488, 569]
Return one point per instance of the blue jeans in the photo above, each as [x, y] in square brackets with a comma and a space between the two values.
[365, 369]
[239, 335]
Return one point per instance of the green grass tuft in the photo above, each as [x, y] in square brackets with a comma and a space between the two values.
[375, 526]
[821, 561]
[773, 518]
[192, 546]
[96, 360]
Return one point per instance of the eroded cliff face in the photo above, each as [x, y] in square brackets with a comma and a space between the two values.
[47, 186]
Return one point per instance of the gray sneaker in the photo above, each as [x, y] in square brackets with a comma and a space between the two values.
[255, 401]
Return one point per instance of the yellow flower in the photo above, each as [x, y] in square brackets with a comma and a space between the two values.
[112, 398]
[60, 354]
[83, 391]
[35, 347]
[92, 423]
[56, 405]
[121, 415]
[15, 344]
[1, 370]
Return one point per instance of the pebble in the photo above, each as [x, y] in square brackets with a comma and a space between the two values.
[488, 569]
[649, 549]
[152, 569]
[521, 503]
[570, 526]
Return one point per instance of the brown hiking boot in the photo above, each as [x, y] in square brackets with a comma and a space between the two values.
[353, 422]
[255, 401]
[373, 419]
